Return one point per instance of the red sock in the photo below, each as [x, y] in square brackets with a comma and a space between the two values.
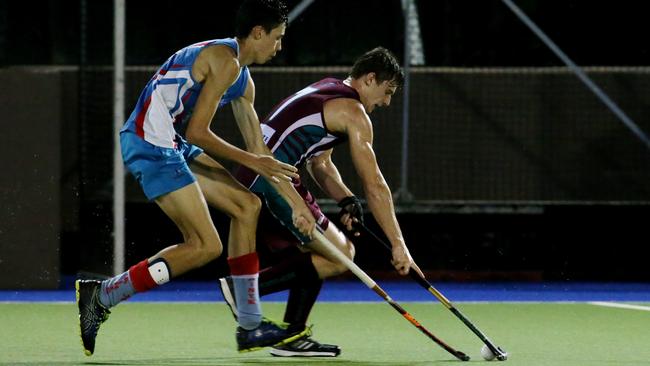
[246, 264]
[141, 278]
[244, 270]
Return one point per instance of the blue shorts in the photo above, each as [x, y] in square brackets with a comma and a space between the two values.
[159, 170]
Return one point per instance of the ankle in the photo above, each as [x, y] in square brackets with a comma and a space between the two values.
[296, 328]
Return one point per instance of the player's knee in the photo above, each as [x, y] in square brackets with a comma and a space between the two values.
[211, 246]
[212, 251]
[207, 253]
[248, 207]
[348, 249]
[253, 205]
[338, 268]
[205, 248]
[351, 250]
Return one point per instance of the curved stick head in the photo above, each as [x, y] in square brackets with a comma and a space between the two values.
[501, 355]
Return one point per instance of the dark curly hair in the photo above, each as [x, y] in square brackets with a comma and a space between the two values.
[266, 13]
[380, 61]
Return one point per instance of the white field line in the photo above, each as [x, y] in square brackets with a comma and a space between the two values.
[620, 306]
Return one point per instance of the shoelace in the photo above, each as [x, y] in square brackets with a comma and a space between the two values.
[95, 318]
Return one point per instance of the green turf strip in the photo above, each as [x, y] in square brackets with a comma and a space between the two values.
[369, 334]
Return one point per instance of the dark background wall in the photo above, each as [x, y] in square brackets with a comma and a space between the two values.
[333, 32]
[481, 135]
[30, 194]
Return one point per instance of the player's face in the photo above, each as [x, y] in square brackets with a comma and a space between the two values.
[270, 43]
[379, 94]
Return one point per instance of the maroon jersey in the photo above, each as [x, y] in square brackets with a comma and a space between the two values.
[296, 130]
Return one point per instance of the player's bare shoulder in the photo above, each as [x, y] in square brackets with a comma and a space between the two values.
[345, 115]
[217, 59]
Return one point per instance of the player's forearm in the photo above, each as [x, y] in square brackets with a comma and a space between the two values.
[289, 193]
[253, 138]
[329, 180]
[380, 202]
[249, 126]
[219, 148]
[260, 148]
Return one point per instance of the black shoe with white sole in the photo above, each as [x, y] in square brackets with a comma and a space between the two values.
[303, 347]
[306, 347]
[267, 334]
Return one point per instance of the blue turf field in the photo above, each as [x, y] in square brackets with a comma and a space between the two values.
[354, 291]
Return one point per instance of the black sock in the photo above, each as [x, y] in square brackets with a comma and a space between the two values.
[295, 272]
[302, 298]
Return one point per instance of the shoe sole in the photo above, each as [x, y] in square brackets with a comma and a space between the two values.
[283, 353]
[78, 295]
[227, 296]
[281, 343]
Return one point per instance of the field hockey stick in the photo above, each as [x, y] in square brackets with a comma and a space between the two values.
[418, 276]
[331, 251]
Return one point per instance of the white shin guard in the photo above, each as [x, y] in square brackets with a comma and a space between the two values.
[159, 271]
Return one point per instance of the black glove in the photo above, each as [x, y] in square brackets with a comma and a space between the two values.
[351, 205]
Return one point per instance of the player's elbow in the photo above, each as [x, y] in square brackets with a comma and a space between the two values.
[193, 137]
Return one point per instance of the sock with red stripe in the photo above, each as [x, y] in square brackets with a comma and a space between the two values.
[139, 278]
[245, 273]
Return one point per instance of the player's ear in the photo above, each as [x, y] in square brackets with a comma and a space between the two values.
[257, 32]
[370, 77]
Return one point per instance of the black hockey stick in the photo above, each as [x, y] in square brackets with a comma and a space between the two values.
[328, 249]
[418, 276]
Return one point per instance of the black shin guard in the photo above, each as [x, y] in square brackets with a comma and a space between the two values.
[293, 271]
[287, 268]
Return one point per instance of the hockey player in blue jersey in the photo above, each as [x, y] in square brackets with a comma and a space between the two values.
[168, 146]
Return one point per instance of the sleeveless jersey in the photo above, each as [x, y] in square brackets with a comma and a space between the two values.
[167, 101]
[295, 129]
